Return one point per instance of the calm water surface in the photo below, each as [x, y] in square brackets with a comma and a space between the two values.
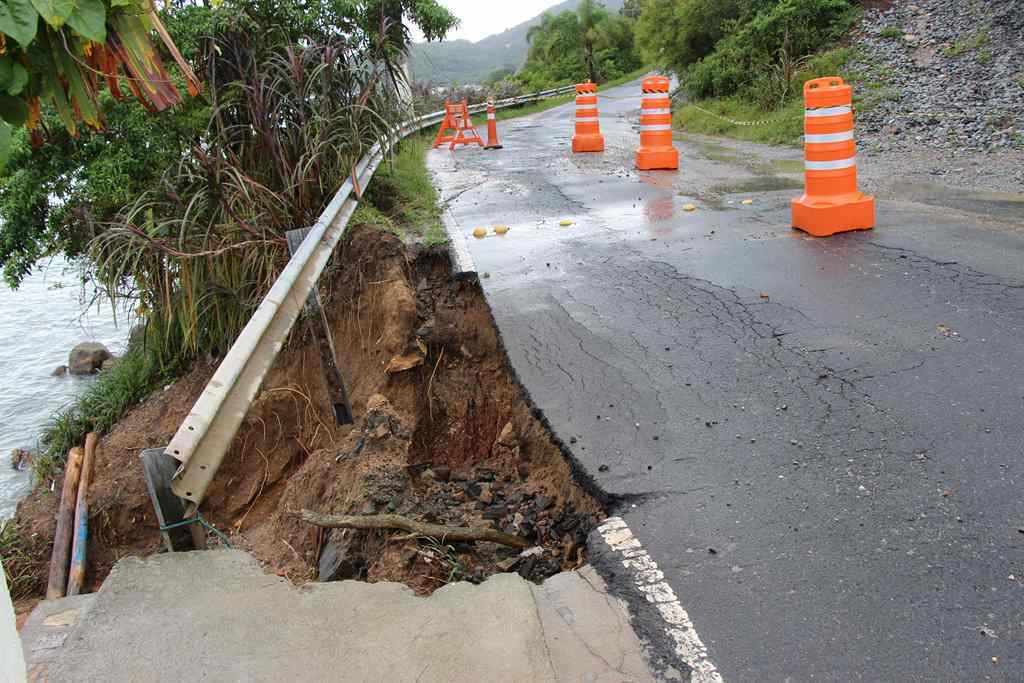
[39, 323]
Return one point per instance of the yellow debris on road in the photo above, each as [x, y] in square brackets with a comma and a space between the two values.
[565, 223]
[747, 201]
[479, 233]
[500, 229]
[689, 207]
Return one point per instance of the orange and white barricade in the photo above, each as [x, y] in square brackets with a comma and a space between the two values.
[656, 150]
[448, 124]
[588, 136]
[831, 202]
[465, 131]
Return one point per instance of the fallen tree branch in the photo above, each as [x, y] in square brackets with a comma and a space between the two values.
[445, 533]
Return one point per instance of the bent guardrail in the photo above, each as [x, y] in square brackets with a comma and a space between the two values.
[204, 437]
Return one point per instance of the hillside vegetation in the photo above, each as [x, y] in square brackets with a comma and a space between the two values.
[459, 62]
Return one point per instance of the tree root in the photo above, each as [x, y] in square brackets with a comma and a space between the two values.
[443, 533]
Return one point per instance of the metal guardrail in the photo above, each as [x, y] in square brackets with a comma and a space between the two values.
[204, 437]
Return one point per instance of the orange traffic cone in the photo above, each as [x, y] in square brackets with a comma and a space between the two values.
[447, 124]
[588, 136]
[831, 202]
[465, 131]
[492, 127]
[656, 151]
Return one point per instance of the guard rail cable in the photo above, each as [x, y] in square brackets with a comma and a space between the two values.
[204, 437]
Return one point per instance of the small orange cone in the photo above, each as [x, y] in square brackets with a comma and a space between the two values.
[588, 136]
[492, 127]
[831, 202]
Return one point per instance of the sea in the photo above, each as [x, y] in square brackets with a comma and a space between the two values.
[40, 322]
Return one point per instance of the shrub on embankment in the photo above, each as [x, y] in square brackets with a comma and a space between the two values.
[751, 49]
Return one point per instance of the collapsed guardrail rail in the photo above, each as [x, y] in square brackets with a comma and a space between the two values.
[179, 475]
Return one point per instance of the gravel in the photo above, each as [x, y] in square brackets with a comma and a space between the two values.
[946, 73]
[943, 90]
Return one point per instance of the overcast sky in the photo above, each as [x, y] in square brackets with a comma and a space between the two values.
[481, 18]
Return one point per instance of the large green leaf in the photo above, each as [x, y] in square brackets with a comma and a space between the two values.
[5, 144]
[19, 79]
[55, 12]
[90, 20]
[13, 110]
[19, 20]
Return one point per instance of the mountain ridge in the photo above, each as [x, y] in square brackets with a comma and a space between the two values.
[464, 62]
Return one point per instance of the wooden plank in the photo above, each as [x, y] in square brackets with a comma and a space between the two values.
[158, 468]
[61, 557]
[76, 575]
[316, 319]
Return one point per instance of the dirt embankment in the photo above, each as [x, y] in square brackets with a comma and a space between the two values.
[449, 441]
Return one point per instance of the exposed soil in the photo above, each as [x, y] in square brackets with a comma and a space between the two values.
[450, 441]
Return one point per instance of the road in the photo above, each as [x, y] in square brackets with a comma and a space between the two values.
[819, 441]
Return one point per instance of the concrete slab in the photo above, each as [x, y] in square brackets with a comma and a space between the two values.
[47, 628]
[587, 632]
[215, 615]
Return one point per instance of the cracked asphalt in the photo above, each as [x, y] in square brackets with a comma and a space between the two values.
[820, 441]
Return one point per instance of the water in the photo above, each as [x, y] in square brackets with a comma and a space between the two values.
[39, 323]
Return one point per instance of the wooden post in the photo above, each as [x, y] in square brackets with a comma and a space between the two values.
[58, 581]
[76, 575]
[316, 319]
[158, 468]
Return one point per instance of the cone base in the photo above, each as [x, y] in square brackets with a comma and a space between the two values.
[825, 220]
[657, 159]
[587, 143]
[493, 146]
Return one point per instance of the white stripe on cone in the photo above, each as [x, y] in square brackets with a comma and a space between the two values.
[829, 137]
[656, 126]
[586, 119]
[830, 165]
[828, 111]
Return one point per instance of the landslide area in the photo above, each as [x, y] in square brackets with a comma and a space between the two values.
[443, 434]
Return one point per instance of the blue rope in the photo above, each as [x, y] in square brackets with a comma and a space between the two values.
[198, 519]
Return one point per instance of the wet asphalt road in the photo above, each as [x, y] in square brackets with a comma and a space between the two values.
[820, 442]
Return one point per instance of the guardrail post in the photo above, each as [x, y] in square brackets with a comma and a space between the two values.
[158, 468]
[317, 321]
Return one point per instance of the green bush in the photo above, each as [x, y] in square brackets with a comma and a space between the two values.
[758, 59]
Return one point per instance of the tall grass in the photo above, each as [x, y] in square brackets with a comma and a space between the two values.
[197, 255]
[402, 197]
[781, 124]
[22, 556]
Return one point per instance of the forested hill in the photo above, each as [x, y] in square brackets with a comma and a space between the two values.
[462, 61]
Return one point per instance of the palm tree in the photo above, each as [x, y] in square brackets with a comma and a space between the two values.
[590, 15]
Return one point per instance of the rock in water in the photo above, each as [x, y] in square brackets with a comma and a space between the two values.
[87, 358]
[60, 371]
[21, 459]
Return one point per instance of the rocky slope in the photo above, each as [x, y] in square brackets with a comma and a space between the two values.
[944, 72]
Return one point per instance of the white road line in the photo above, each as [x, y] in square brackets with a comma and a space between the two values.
[651, 582]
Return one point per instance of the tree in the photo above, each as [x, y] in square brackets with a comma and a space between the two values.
[56, 197]
[571, 46]
[590, 14]
[631, 9]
